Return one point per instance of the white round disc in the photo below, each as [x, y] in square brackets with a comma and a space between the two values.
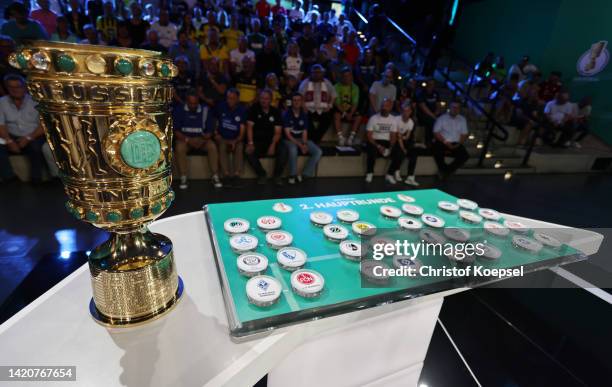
[347, 216]
[278, 238]
[363, 228]
[410, 224]
[516, 226]
[236, 225]
[489, 214]
[467, 204]
[269, 223]
[430, 236]
[250, 263]
[263, 290]
[448, 206]
[335, 232]
[490, 252]
[412, 209]
[457, 234]
[405, 198]
[282, 207]
[243, 242]
[432, 220]
[390, 211]
[351, 249]
[525, 243]
[547, 240]
[307, 283]
[291, 257]
[470, 217]
[496, 229]
[320, 218]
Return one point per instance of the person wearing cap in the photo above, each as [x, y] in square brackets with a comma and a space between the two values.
[264, 135]
[230, 130]
[193, 130]
[381, 90]
[450, 132]
[404, 148]
[319, 95]
[295, 125]
[346, 104]
[20, 129]
[381, 137]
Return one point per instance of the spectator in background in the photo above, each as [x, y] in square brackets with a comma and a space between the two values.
[381, 90]
[149, 13]
[20, 28]
[137, 26]
[289, 88]
[450, 132]
[292, 62]
[215, 50]
[123, 38]
[107, 23]
[211, 24]
[296, 13]
[238, 55]
[95, 8]
[91, 35]
[193, 129]
[20, 129]
[561, 119]
[188, 28]
[522, 68]
[295, 125]
[346, 104]
[45, 16]
[184, 82]
[7, 47]
[381, 136]
[550, 87]
[268, 61]
[277, 9]
[264, 133]
[152, 42]
[76, 18]
[405, 148]
[308, 46]
[263, 9]
[428, 108]
[246, 82]
[62, 33]
[198, 19]
[256, 38]
[319, 96]
[526, 113]
[351, 48]
[266, 30]
[231, 128]
[231, 36]
[214, 83]
[279, 36]
[165, 29]
[330, 46]
[185, 47]
[271, 83]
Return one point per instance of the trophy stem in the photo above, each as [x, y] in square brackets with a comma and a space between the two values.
[134, 278]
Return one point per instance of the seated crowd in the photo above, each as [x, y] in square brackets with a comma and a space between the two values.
[254, 81]
[535, 106]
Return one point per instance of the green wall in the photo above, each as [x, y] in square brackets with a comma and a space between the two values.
[554, 33]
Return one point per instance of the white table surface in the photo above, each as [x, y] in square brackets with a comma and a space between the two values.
[190, 346]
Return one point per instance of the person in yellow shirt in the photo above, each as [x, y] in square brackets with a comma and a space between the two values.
[271, 83]
[230, 36]
[212, 24]
[214, 49]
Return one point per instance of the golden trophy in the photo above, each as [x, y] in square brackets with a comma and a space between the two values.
[106, 116]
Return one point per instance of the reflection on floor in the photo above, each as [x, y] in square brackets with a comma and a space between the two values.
[508, 337]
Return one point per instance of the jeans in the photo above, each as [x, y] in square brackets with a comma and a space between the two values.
[315, 155]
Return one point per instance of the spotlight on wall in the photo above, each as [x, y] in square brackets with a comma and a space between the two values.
[508, 175]
[424, 84]
[471, 136]
[479, 145]
[498, 164]
[488, 155]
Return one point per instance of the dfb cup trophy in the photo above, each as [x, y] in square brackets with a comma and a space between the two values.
[106, 116]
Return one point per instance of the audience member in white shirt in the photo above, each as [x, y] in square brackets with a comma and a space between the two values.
[404, 148]
[165, 29]
[561, 118]
[450, 132]
[523, 68]
[237, 55]
[381, 135]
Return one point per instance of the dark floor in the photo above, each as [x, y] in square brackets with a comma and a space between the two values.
[508, 337]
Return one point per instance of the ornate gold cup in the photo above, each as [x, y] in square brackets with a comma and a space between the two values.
[106, 115]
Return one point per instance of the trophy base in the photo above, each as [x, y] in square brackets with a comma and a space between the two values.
[132, 322]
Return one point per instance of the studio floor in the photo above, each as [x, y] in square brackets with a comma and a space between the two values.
[490, 336]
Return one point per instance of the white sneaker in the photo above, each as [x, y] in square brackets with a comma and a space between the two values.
[576, 145]
[341, 140]
[397, 175]
[351, 140]
[369, 177]
[300, 178]
[291, 180]
[411, 181]
[183, 184]
[216, 181]
[390, 179]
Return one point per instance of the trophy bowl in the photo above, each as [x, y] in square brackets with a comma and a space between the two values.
[106, 116]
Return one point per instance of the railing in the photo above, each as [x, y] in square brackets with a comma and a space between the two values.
[493, 129]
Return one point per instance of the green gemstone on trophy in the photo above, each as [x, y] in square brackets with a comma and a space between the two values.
[113, 216]
[156, 208]
[136, 213]
[124, 67]
[65, 63]
[91, 216]
[22, 61]
[140, 149]
[165, 70]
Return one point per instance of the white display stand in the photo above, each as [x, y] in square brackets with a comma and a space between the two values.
[191, 346]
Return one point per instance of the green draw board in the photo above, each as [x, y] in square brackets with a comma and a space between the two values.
[345, 289]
